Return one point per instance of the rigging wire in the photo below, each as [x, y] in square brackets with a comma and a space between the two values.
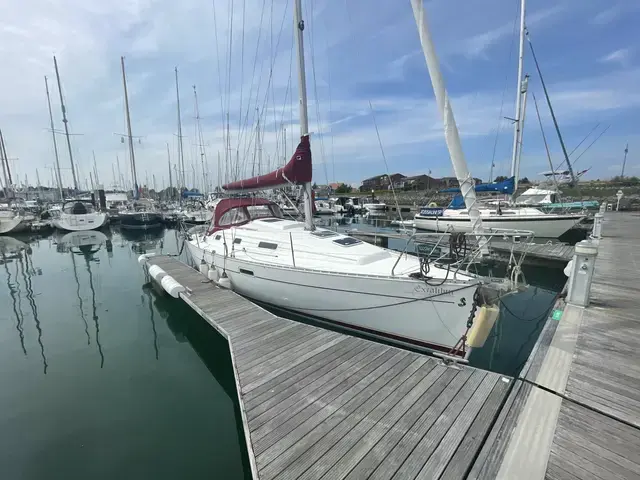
[582, 141]
[221, 93]
[591, 144]
[386, 166]
[317, 99]
[504, 92]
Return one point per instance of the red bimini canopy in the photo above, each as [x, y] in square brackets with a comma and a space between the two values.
[297, 171]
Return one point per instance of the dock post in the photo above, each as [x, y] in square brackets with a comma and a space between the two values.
[597, 226]
[583, 267]
[603, 207]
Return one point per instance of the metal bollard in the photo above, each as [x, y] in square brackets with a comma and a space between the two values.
[597, 225]
[584, 260]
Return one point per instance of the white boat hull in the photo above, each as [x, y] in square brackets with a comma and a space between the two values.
[399, 308]
[80, 222]
[549, 227]
[15, 224]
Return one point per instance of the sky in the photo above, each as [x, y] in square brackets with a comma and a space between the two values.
[370, 101]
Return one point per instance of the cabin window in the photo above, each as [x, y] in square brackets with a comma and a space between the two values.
[269, 245]
[347, 241]
[237, 240]
[218, 237]
[272, 220]
[233, 217]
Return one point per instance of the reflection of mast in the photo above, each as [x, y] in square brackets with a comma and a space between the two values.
[94, 312]
[34, 310]
[75, 275]
[12, 293]
[153, 325]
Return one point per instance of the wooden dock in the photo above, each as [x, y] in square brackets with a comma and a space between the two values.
[321, 404]
[574, 411]
[550, 252]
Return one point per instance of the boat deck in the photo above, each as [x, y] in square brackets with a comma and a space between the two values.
[321, 404]
[574, 411]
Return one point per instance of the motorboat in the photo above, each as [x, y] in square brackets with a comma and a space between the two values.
[142, 215]
[79, 215]
[375, 206]
[548, 200]
[323, 208]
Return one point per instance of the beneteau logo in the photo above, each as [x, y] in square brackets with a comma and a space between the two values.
[431, 290]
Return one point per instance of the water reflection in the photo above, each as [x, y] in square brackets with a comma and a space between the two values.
[26, 275]
[86, 244]
[142, 241]
[11, 249]
[146, 289]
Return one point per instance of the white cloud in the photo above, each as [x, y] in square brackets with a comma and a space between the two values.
[621, 56]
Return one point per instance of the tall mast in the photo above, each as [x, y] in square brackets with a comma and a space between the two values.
[523, 113]
[170, 179]
[298, 25]
[451, 134]
[203, 154]
[120, 178]
[517, 126]
[66, 126]
[624, 162]
[6, 171]
[180, 146]
[131, 151]
[55, 144]
[95, 168]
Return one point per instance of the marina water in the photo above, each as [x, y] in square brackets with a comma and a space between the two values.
[103, 377]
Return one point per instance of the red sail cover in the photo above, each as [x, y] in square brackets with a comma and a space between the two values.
[297, 171]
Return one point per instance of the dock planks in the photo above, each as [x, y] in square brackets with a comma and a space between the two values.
[321, 404]
[574, 412]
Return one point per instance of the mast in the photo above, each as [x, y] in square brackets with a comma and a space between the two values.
[517, 123]
[182, 178]
[203, 154]
[131, 151]
[6, 171]
[624, 162]
[298, 23]
[66, 126]
[523, 113]
[451, 134]
[95, 168]
[55, 144]
[574, 180]
[120, 178]
[170, 179]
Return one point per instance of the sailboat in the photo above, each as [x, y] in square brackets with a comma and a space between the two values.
[456, 218]
[75, 215]
[143, 215]
[79, 215]
[296, 267]
[13, 218]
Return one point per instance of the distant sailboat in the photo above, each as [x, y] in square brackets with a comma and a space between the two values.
[143, 214]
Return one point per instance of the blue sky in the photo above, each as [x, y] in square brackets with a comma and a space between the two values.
[357, 53]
